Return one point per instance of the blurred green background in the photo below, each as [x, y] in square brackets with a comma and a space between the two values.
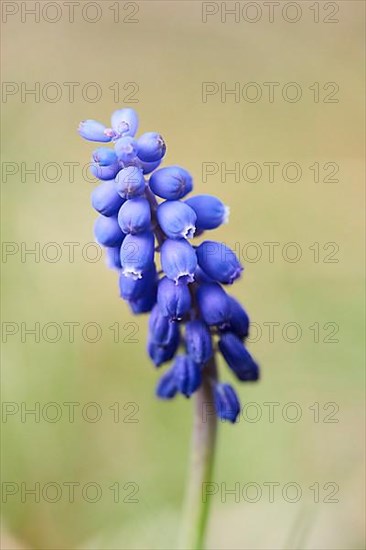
[169, 53]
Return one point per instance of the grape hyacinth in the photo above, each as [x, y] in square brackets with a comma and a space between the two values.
[147, 223]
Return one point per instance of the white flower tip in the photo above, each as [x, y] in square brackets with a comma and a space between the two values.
[134, 274]
[226, 214]
[184, 278]
[189, 232]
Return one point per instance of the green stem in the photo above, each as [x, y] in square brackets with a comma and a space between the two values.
[201, 462]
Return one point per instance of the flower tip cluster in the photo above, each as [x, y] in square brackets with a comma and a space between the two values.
[145, 217]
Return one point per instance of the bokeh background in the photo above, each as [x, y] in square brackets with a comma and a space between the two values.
[168, 53]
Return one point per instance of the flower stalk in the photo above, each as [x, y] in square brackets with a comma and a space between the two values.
[196, 508]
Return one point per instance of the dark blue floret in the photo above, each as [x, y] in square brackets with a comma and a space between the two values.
[160, 354]
[227, 404]
[198, 341]
[213, 303]
[174, 300]
[238, 358]
[145, 303]
[167, 387]
[178, 260]
[137, 254]
[162, 330]
[132, 289]
[239, 320]
[219, 262]
[188, 375]
[210, 211]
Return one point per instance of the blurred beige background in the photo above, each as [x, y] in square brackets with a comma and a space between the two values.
[168, 53]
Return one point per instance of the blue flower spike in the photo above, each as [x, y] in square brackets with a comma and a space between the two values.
[146, 220]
